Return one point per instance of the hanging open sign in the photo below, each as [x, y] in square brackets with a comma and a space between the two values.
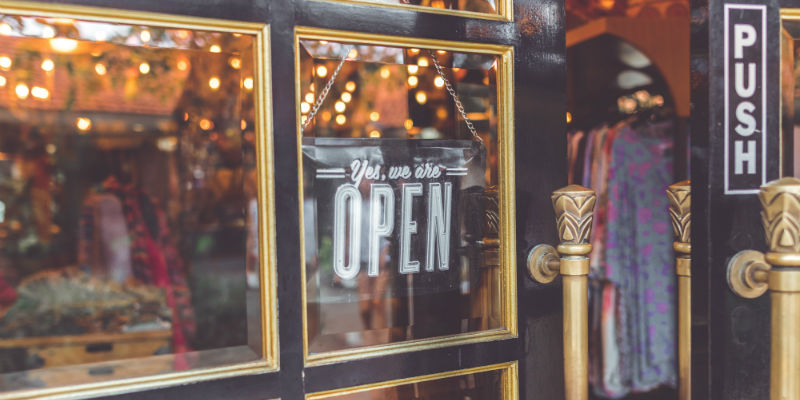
[375, 200]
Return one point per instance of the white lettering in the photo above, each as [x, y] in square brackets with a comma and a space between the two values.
[381, 205]
[439, 225]
[744, 35]
[408, 227]
[744, 116]
[741, 90]
[345, 194]
[741, 157]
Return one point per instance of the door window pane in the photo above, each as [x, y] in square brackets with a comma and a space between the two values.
[128, 211]
[400, 197]
[491, 7]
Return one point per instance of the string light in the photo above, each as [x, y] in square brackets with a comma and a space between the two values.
[350, 86]
[40, 92]
[182, 65]
[374, 116]
[182, 34]
[305, 107]
[438, 81]
[63, 45]
[100, 69]
[309, 97]
[3, 81]
[144, 68]
[374, 133]
[346, 97]
[215, 48]
[326, 116]
[421, 97]
[235, 62]
[422, 62]
[341, 119]
[408, 123]
[5, 29]
[569, 117]
[145, 36]
[83, 123]
[243, 125]
[413, 81]
[385, 72]
[303, 119]
[22, 91]
[339, 106]
[48, 32]
[48, 65]
[248, 83]
[205, 124]
[413, 51]
[214, 83]
[352, 54]
[412, 69]
[322, 71]
[5, 62]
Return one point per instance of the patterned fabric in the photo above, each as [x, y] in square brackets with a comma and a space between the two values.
[154, 258]
[639, 257]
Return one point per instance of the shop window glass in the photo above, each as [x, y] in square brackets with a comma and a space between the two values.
[490, 7]
[400, 199]
[128, 211]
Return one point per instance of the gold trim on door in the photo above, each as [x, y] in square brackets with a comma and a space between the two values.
[263, 128]
[505, 9]
[507, 233]
[510, 382]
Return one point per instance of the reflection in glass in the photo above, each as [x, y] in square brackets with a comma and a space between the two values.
[790, 91]
[388, 107]
[482, 385]
[480, 6]
[128, 192]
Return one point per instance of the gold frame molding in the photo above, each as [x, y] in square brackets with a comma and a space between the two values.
[507, 233]
[262, 90]
[786, 14]
[509, 386]
[505, 9]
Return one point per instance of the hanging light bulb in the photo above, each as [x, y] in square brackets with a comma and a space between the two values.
[341, 119]
[215, 48]
[413, 81]
[48, 32]
[421, 97]
[63, 45]
[422, 62]
[408, 123]
[83, 123]
[339, 106]
[5, 29]
[40, 92]
[309, 98]
[5, 62]
[205, 124]
[235, 62]
[214, 83]
[385, 72]
[144, 68]
[22, 91]
[413, 69]
[145, 36]
[182, 65]
[438, 81]
[350, 86]
[100, 69]
[3, 81]
[374, 116]
[48, 65]
[305, 107]
[322, 71]
[248, 83]
[413, 51]
[347, 97]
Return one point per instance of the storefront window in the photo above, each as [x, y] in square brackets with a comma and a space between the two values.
[129, 241]
[400, 194]
[489, 7]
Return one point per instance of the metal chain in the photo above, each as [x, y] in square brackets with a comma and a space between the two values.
[454, 95]
[324, 93]
[439, 70]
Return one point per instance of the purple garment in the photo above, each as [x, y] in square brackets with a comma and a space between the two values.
[639, 256]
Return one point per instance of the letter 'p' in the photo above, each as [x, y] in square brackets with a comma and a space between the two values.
[744, 35]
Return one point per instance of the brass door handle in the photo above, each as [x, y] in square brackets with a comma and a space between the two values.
[751, 273]
[680, 204]
[574, 207]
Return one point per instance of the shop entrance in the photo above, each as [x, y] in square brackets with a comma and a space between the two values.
[286, 199]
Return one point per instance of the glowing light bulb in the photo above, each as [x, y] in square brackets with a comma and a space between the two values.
[214, 83]
[5, 62]
[5, 29]
[100, 69]
[243, 125]
[341, 119]
[305, 107]
[422, 62]
[347, 97]
[144, 68]
[438, 81]
[374, 133]
[22, 91]
[413, 81]
[83, 123]
[326, 116]
[350, 86]
[421, 97]
[322, 71]
[248, 83]
[374, 116]
[206, 124]
[413, 69]
[215, 48]
[309, 97]
[352, 54]
[409, 123]
[40, 92]
[413, 51]
[3, 81]
[569, 117]
[145, 36]
[385, 72]
[235, 62]
[63, 45]
[48, 65]
[339, 106]
[182, 65]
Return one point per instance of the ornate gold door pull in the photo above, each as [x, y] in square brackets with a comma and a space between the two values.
[680, 204]
[751, 273]
[574, 207]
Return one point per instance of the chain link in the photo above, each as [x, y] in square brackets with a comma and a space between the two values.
[324, 93]
[439, 71]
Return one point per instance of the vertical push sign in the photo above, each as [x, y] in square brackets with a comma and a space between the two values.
[745, 98]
